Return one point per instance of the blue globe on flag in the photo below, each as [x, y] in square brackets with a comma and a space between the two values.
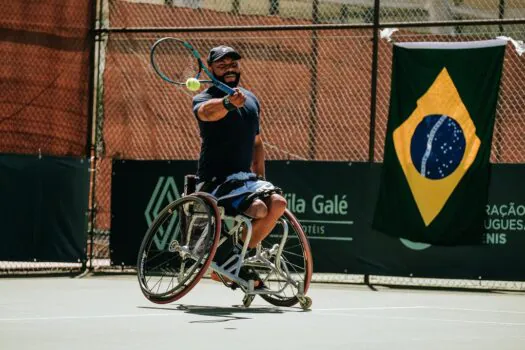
[437, 146]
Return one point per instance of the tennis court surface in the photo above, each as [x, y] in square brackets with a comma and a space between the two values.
[109, 312]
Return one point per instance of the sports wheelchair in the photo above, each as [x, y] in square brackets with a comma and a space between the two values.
[180, 245]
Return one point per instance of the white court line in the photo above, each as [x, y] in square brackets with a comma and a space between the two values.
[172, 314]
[423, 307]
[475, 310]
[83, 317]
[313, 310]
[419, 319]
[372, 308]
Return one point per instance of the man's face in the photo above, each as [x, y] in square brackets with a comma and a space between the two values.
[227, 70]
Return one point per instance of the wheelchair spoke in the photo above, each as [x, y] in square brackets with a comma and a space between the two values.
[171, 283]
[280, 284]
[181, 272]
[290, 253]
[294, 246]
[288, 263]
[160, 264]
[158, 284]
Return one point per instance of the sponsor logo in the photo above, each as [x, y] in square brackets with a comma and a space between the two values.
[165, 192]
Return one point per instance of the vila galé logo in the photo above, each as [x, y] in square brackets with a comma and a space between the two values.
[165, 192]
[322, 216]
[320, 204]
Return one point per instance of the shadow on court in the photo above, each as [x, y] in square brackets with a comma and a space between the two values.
[223, 314]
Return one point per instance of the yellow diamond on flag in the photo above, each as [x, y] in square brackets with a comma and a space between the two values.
[436, 146]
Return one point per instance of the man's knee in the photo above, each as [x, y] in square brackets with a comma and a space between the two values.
[277, 204]
[257, 209]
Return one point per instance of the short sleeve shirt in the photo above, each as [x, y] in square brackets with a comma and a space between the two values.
[227, 144]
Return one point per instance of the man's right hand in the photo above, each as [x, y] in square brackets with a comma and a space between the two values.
[214, 109]
[238, 98]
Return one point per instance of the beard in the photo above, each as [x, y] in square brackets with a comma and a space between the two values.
[231, 84]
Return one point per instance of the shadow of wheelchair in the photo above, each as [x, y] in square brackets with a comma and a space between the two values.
[224, 314]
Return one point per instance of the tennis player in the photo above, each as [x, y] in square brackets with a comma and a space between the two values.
[231, 163]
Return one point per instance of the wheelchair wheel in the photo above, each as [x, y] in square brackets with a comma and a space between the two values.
[178, 248]
[296, 258]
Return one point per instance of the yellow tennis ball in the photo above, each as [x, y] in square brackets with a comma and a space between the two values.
[193, 84]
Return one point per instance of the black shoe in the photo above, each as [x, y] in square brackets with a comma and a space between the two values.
[229, 249]
[248, 273]
[228, 254]
[225, 252]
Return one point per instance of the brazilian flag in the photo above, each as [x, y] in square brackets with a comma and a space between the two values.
[435, 175]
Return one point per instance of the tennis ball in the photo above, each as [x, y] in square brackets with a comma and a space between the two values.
[193, 84]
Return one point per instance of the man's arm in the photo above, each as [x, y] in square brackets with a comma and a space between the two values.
[214, 109]
[258, 157]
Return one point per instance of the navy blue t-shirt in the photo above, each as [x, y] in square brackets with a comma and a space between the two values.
[227, 144]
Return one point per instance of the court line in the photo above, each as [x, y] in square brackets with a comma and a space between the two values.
[321, 311]
[425, 307]
[475, 310]
[419, 319]
[372, 308]
[84, 317]
[160, 314]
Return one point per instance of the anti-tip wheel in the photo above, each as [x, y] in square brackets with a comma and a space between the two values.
[247, 300]
[305, 302]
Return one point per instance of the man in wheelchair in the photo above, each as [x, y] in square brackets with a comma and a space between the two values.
[231, 163]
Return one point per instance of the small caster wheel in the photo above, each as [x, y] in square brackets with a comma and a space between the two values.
[305, 302]
[248, 298]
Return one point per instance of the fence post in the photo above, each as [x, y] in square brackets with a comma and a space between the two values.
[236, 7]
[92, 122]
[274, 7]
[312, 120]
[501, 15]
[373, 88]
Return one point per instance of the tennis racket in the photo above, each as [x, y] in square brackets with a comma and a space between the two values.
[176, 61]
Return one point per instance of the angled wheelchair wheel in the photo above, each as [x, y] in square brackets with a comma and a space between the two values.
[178, 248]
[295, 263]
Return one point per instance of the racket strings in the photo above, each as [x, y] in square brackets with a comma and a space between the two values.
[175, 61]
[191, 69]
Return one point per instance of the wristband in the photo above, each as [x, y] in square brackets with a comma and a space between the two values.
[227, 104]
